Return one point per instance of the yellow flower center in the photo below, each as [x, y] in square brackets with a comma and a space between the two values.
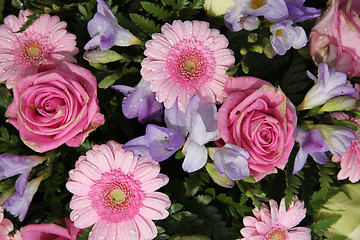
[277, 234]
[279, 33]
[117, 196]
[255, 4]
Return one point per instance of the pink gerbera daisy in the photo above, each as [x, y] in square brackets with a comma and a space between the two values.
[6, 226]
[114, 190]
[187, 58]
[21, 53]
[276, 222]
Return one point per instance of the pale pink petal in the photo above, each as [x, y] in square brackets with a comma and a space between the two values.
[249, 232]
[146, 227]
[78, 202]
[155, 184]
[300, 233]
[84, 218]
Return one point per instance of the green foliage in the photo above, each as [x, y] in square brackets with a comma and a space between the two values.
[321, 226]
[157, 11]
[176, 4]
[326, 174]
[8, 142]
[293, 183]
[146, 24]
[197, 4]
[195, 181]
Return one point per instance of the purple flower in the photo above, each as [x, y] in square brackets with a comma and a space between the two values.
[328, 85]
[300, 13]
[201, 123]
[162, 142]
[232, 161]
[337, 138]
[273, 10]
[106, 32]
[159, 143]
[140, 102]
[312, 143]
[11, 165]
[17, 204]
[286, 36]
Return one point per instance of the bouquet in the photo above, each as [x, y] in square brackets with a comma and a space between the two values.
[179, 119]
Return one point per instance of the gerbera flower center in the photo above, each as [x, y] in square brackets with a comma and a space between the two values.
[276, 234]
[117, 197]
[255, 4]
[190, 65]
[32, 52]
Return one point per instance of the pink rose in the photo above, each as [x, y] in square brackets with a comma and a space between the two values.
[259, 118]
[58, 105]
[335, 39]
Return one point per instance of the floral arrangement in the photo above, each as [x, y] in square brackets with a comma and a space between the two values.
[179, 119]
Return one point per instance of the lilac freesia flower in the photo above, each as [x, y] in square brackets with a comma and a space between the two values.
[337, 138]
[11, 165]
[18, 204]
[232, 161]
[311, 142]
[286, 36]
[106, 32]
[273, 10]
[159, 143]
[140, 102]
[198, 123]
[201, 123]
[300, 13]
[328, 85]
[162, 142]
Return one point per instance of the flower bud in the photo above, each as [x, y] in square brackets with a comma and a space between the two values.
[220, 179]
[217, 7]
[338, 104]
[102, 56]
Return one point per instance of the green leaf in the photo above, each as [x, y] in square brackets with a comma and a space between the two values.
[321, 226]
[28, 23]
[109, 80]
[102, 56]
[177, 5]
[145, 24]
[5, 136]
[293, 183]
[175, 207]
[326, 172]
[204, 199]
[156, 11]
[197, 4]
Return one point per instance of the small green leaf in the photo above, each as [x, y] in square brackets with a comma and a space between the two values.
[109, 80]
[157, 11]
[145, 24]
[102, 56]
[197, 4]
